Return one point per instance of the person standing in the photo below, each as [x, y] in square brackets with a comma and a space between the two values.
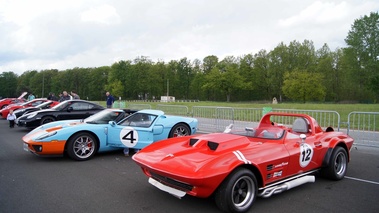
[110, 100]
[65, 97]
[11, 118]
[75, 95]
[31, 97]
[50, 95]
[53, 97]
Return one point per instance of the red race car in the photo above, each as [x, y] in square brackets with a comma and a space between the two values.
[7, 101]
[238, 166]
[5, 111]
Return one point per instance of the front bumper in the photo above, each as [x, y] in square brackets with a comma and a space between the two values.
[45, 148]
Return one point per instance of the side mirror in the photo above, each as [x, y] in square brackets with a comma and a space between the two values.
[112, 123]
[303, 137]
[69, 109]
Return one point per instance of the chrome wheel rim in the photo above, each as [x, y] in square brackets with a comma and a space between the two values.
[84, 146]
[340, 164]
[180, 131]
[243, 192]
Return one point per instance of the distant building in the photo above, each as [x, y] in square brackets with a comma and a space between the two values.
[167, 99]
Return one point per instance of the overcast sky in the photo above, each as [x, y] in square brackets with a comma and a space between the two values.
[64, 34]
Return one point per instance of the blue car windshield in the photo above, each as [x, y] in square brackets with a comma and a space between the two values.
[139, 120]
[103, 117]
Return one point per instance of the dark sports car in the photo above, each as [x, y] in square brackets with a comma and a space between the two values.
[67, 110]
[45, 105]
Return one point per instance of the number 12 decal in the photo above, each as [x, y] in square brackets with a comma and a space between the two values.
[129, 137]
[306, 154]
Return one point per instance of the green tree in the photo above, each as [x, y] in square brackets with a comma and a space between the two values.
[264, 78]
[303, 86]
[302, 56]
[8, 84]
[209, 63]
[24, 81]
[363, 49]
[328, 65]
[225, 78]
[122, 71]
[141, 74]
[98, 78]
[279, 63]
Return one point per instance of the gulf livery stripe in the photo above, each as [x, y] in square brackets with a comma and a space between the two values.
[241, 157]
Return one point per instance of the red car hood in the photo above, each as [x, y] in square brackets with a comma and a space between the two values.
[189, 156]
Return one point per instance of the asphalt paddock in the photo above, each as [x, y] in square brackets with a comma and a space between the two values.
[111, 182]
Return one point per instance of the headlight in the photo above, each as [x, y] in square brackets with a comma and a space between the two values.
[48, 134]
[31, 115]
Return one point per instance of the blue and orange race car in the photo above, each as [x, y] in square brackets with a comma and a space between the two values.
[105, 131]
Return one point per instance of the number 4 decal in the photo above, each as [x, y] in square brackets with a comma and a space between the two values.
[306, 154]
[129, 137]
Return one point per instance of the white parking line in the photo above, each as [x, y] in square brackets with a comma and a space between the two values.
[366, 181]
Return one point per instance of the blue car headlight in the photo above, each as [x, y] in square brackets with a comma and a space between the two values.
[46, 135]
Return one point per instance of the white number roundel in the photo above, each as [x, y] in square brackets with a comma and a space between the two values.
[129, 137]
[306, 154]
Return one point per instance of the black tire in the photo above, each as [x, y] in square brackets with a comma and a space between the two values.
[179, 130]
[47, 119]
[82, 146]
[237, 192]
[337, 166]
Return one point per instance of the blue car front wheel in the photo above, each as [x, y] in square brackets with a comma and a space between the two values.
[179, 130]
[82, 146]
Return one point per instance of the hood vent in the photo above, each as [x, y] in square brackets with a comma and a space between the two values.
[193, 141]
[212, 145]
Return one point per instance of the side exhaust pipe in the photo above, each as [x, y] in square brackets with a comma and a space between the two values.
[286, 186]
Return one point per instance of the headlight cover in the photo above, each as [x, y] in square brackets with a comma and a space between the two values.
[46, 135]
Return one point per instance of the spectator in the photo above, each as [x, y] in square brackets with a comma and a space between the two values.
[74, 95]
[11, 118]
[49, 97]
[53, 97]
[110, 100]
[31, 97]
[65, 97]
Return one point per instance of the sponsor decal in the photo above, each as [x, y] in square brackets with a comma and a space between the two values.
[281, 165]
[278, 174]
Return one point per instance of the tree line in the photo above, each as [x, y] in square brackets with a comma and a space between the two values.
[290, 72]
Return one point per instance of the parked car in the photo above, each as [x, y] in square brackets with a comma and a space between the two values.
[238, 166]
[5, 111]
[45, 105]
[66, 110]
[81, 140]
[7, 101]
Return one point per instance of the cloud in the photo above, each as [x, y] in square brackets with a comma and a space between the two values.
[63, 34]
[104, 14]
[317, 13]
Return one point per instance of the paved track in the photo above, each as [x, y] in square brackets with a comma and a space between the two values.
[113, 183]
